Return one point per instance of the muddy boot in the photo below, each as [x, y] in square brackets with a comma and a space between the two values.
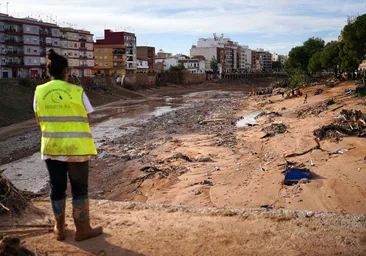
[82, 222]
[58, 208]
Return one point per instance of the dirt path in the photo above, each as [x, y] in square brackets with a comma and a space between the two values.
[139, 229]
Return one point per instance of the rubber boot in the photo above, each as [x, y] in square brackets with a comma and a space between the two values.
[58, 208]
[82, 221]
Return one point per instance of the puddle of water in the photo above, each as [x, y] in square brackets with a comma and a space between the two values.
[159, 111]
[248, 120]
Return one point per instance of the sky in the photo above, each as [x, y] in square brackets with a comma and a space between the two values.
[175, 25]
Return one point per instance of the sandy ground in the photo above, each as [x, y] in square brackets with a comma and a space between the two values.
[196, 157]
[226, 166]
[242, 170]
[139, 229]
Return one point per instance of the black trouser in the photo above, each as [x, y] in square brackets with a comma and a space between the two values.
[78, 175]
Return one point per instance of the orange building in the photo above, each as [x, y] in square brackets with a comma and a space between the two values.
[116, 53]
[109, 59]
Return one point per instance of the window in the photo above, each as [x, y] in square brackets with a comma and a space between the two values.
[35, 40]
[29, 61]
[75, 45]
[105, 50]
[100, 57]
[105, 64]
[101, 64]
[28, 50]
[35, 61]
[28, 39]
[105, 57]
[35, 50]
[96, 51]
[27, 29]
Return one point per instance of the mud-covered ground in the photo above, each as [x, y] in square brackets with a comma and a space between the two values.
[185, 149]
[197, 156]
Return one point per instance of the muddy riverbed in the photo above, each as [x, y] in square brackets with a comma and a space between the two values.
[206, 149]
[134, 121]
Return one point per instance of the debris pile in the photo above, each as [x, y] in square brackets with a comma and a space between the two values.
[12, 246]
[349, 123]
[12, 201]
[316, 109]
[273, 129]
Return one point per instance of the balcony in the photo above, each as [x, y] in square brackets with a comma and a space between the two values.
[119, 66]
[120, 60]
[118, 52]
[45, 33]
[83, 57]
[82, 39]
[13, 42]
[13, 31]
[14, 63]
[9, 53]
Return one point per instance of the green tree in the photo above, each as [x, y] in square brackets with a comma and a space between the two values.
[330, 57]
[313, 45]
[298, 79]
[277, 65]
[297, 59]
[176, 68]
[352, 50]
[300, 56]
[315, 64]
[214, 65]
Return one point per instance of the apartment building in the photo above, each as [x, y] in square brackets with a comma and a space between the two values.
[24, 44]
[116, 53]
[192, 65]
[265, 60]
[279, 57]
[163, 55]
[223, 49]
[78, 47]
[146, 53]
[244, 59]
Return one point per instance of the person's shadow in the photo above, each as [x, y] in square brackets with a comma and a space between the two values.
[99, 246]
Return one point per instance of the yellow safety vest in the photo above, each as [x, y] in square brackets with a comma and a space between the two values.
[63, 120]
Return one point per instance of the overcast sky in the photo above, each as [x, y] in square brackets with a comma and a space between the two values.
[174, 26]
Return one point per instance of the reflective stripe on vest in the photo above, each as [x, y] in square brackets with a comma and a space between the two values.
[63, 120]
[67, 135]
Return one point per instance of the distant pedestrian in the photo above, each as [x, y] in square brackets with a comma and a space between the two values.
[283, 94]
[306, 98]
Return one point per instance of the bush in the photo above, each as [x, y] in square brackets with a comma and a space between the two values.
[361, 91]
[330, 84]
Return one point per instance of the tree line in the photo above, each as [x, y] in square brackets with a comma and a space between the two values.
[338, 57]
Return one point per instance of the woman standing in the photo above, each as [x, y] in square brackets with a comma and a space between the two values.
[67, 145]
